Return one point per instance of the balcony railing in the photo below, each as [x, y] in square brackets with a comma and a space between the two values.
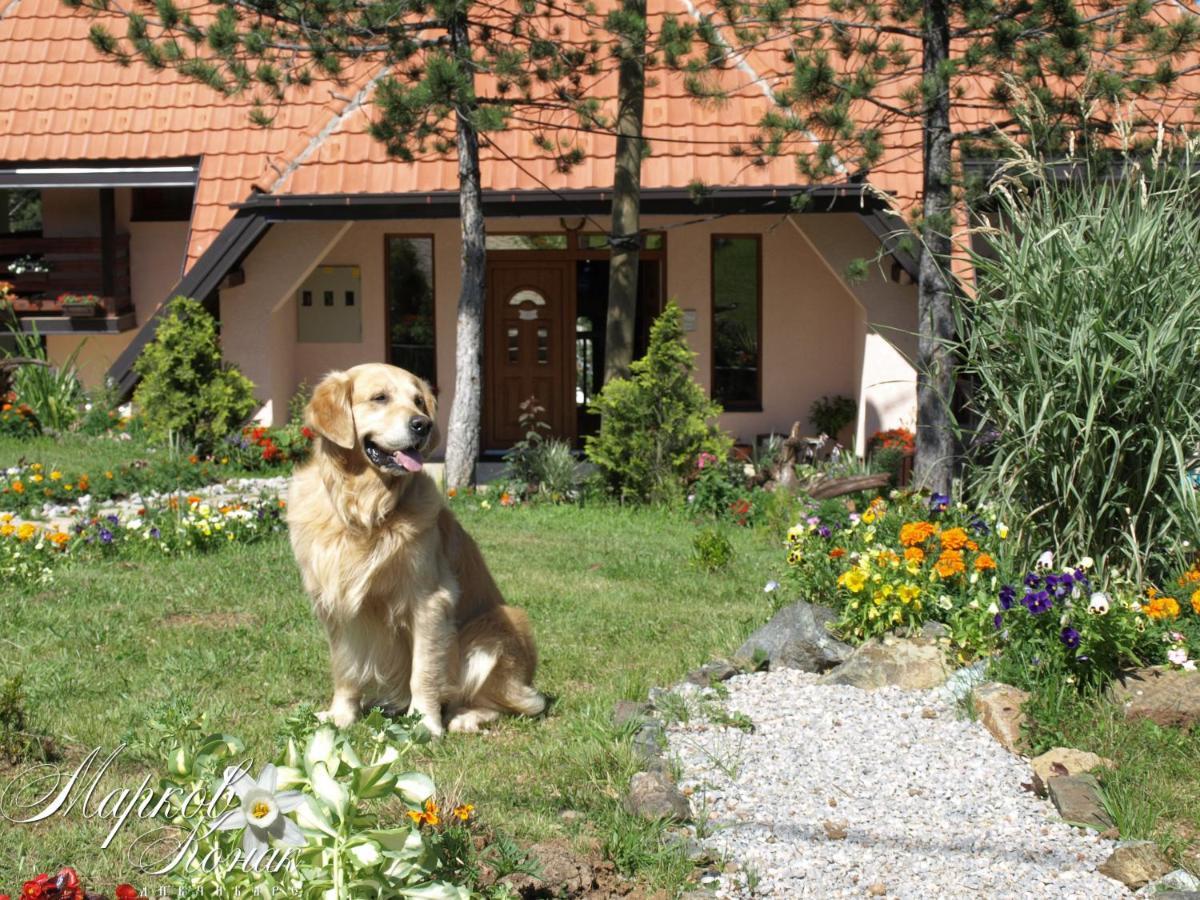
[73, 265]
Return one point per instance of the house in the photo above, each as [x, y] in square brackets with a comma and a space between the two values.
[317, 252]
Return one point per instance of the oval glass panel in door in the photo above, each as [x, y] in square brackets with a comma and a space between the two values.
[543, 346]
[526, 295]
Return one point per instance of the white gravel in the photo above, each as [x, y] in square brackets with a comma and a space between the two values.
[931, 804]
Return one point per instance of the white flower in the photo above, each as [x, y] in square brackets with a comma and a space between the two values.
[1045, 561]
[993, 609]
[1189, 665]
[1001, 530]
[770, 587]
[1177, 656]
[1086, 563]
[1098, 605]
[133, 524]
[261, 812]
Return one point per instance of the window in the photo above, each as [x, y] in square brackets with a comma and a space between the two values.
[410, 305]
[20, 211]
[526, 242]
[737, 321]
[161, 204]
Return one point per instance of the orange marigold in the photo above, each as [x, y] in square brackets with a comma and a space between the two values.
[950, 563]
[914, 554]
[1196, 601]
[913, 533]
[1162, 607]
[837, 553]
[983, 562]
[954, 539]
[1191, 576]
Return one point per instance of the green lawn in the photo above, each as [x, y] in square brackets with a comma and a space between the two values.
[76, 452]
[616, 605]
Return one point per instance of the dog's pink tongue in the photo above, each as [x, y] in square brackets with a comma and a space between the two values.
[410, 459]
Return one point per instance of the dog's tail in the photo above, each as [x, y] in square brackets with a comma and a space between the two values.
[478, 665]
[498, 663]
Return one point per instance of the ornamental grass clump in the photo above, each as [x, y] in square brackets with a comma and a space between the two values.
[1081, 347]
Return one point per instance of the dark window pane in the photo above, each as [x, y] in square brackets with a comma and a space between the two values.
[20, 211]
[349, 298]
[410, 305]
[161, 204]
[736, 352]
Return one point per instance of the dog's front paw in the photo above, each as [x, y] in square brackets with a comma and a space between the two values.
[341, 713]
[431, 720]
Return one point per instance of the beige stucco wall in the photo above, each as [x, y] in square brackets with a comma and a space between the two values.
[820, 336]
[156, 253]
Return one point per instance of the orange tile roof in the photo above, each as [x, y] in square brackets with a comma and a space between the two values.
[61, 100]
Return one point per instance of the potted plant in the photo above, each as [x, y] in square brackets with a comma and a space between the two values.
[79, 304]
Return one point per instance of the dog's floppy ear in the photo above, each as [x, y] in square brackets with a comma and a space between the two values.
[329, 413]
[430, 398]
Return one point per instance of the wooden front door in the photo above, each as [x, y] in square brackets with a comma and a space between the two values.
[529, 350]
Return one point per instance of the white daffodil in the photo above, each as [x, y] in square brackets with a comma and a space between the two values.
[1098, 605]
[262, 812]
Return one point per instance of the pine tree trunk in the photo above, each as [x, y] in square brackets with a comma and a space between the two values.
[462, 437]
[627, 187]
[934, 463]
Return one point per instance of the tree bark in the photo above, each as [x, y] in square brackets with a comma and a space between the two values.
[462, 436]
[934, 462]
[626, 204]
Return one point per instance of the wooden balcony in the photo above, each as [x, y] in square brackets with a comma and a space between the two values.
[74, 265]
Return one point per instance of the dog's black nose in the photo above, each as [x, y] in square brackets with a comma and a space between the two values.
[420, 425]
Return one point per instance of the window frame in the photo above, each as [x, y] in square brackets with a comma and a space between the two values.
[756, 404]
[387, 294]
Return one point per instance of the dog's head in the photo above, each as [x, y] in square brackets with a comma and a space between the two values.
[383, 412]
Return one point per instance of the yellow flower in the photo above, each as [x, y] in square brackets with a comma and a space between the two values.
[108, 475]
[1001, 531]
[426, 816]
[869, 516]
[56, 475]
[26, 531]
[7, 530]
[37, 467]
[38, 478]
[909, 592]
[795, 533]
[463, 812]
[59, 538]
[854, 580]
[1196, 602]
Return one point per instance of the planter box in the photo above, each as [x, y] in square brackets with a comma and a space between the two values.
[79, 310]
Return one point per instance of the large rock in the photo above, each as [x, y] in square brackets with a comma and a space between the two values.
[1061, 761]
[797, 638]
[998, 707]
[902, 662]
[1135, 864]
[652, 795]
[1078, 800]
[1168, 697]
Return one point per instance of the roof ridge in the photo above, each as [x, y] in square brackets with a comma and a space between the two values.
[314, 143]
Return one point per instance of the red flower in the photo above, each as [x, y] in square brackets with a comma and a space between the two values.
[35, 889]
[126, 892]
[308, 433]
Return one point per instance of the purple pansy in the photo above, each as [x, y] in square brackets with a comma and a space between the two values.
[1070, 637]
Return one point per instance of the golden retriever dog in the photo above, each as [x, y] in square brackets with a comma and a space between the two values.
[413, 616]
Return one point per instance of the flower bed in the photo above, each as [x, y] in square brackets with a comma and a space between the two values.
[29, 488]
[910, 559]
[29, 553]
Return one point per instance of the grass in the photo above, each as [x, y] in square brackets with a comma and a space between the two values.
[1153, 792]
[75, 452]
[616, 606]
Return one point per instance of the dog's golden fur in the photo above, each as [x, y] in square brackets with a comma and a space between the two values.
[413, 616]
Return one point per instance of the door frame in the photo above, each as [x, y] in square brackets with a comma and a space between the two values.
[491, 359]
[575, 250]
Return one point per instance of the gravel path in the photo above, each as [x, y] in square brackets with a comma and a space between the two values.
[929, 804]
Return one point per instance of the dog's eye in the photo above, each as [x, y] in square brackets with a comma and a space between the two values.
[379, 398]
[420, 403]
